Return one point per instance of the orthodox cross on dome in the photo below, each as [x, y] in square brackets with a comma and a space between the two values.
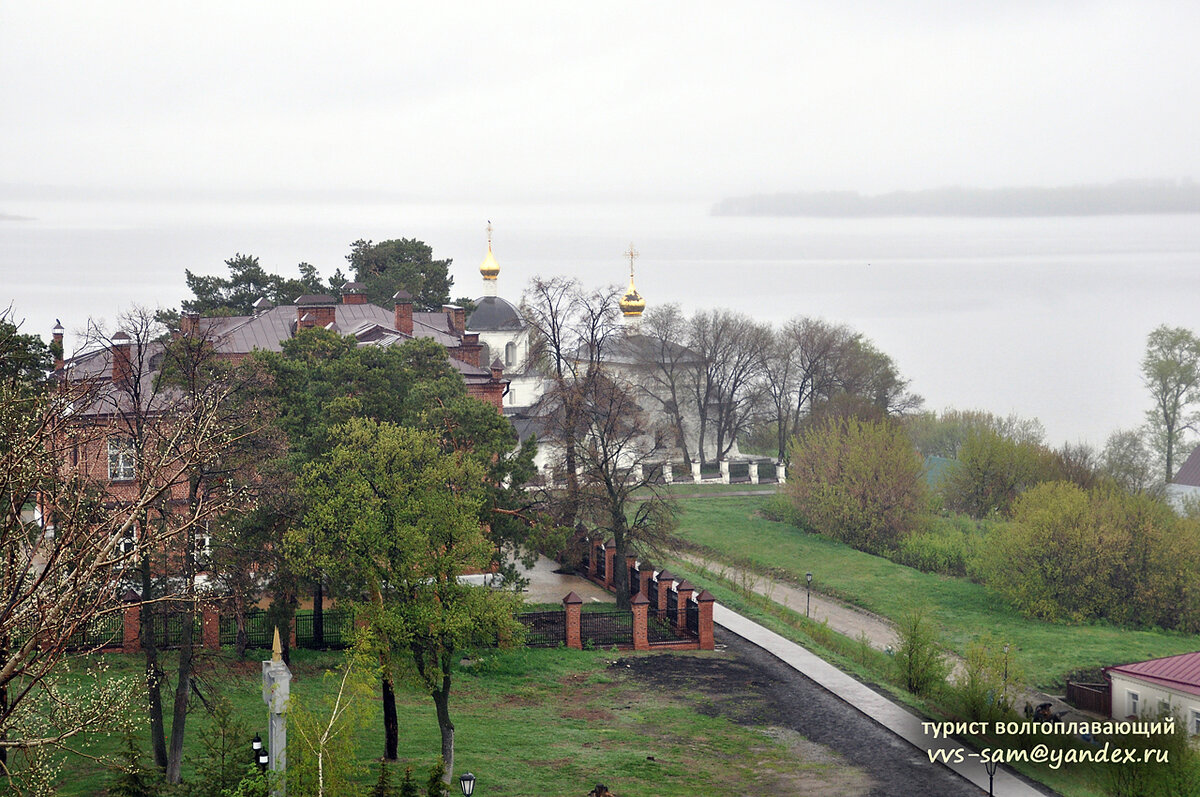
[489, 232]
[631, 254]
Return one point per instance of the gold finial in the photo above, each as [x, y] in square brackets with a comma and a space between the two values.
[276, 648]
[489, 268]
[632, 304]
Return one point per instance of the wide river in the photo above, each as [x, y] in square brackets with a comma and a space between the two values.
[1044, 317]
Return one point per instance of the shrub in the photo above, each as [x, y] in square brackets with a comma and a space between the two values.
[920, 665]
[949, 546]
[983, 691]
[992, 472]
[857, 481]
[1107, 554]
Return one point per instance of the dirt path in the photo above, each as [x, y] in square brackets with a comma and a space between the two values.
[852, 622]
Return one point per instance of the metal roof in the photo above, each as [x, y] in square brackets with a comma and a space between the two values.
[493, 313]
[1189, 471]
[1181, 672]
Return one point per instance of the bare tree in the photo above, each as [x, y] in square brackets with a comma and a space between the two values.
[666, 368]
[725, 379]
[77, 494]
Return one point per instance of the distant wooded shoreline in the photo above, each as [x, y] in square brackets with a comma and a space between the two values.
[1119, 198]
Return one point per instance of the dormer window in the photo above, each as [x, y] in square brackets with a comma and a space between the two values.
[121, 461]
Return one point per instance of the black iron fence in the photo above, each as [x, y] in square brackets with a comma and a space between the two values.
[544, 629]
[105, 631]
[601, 563]
[604, 628]
[660, 627]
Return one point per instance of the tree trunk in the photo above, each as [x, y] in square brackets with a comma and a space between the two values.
[391, 727]
[441, 699]
[620, 566]
[241, 640]
[154, 674]
[319, 614]
[183, 678]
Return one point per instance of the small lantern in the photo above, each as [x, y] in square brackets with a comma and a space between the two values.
[467, 783]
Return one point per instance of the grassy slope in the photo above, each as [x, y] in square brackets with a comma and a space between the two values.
[528, 722]
[1045, 652]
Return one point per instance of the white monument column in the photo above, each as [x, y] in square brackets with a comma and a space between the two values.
[277, 679]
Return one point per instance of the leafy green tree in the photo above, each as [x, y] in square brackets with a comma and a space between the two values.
[944, 434]
[222, 762]
[1128, 461]
[1171, 372]
[133, 778]
[407, 263]
[992, 471]
[392, 516]
[857, 481]
[24, 359]
[247, 283]
[919, 661]
[1079, 555]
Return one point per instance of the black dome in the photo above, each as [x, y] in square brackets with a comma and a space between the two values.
[493, 313]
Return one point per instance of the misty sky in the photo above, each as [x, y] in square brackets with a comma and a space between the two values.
[522, 100]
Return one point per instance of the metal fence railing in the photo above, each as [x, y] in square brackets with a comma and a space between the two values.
[605, 628]
[544, 629]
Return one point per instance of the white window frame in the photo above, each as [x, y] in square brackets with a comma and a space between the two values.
[1132, 700]
[1195, 723]
[510, 354]
[122, 464]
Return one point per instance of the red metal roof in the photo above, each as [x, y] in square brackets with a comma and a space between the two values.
[1180, 672]
[1189, 472]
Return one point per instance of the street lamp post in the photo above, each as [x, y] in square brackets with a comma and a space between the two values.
[808, 594]
[990, 765]
[260, 755]
[1006, 671]
[466, 782]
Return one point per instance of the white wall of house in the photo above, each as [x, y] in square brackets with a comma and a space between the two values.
[1132, 696]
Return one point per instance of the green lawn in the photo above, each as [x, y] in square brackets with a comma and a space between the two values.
[1046, 652]
[528, 722]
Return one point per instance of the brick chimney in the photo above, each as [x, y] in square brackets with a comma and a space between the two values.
[468, 352]
[57, 344]
[317, 310]
[456, 319]
[122, 369]
[497, 370]
[189, 323]
[354, 293]
[404, 311]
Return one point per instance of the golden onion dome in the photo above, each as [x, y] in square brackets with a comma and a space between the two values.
[489, 268]
[632, 304]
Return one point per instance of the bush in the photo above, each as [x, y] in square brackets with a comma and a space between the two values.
[949, 546]
[919, 663]
[991, 473]
[1106, 554]
[857, 481]
[983, 691]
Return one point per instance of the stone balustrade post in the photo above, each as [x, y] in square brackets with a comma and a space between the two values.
[668, 473]
[724, 471]
[697, 477]
[753, 472]
[781, 473]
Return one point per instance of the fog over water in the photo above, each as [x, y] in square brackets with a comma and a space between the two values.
[1041, 317]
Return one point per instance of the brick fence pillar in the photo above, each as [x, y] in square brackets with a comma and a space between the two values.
[210, 623]
[592, 566]
[610, 553]
[645, 573]
[705, 601]
[631, 565]
[685, 591]
[665, 579]
[131, 640]
[641, 636]
[573, 607]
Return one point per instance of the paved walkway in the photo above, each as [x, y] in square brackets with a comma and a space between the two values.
[888, 714]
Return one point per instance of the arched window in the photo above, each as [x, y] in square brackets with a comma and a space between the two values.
[510, 354]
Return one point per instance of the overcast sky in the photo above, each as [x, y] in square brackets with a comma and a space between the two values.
[521, 100]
